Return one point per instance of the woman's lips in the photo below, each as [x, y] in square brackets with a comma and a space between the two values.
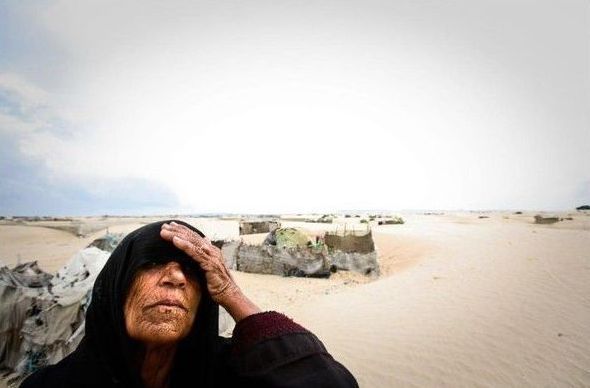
[169, 303]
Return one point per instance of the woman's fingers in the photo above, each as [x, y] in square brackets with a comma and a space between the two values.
[169, 235]
[190, 249]
[179, 230]
[189, 235]
[186, 234]
[191, 243]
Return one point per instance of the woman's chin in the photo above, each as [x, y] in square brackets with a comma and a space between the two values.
[163, 332]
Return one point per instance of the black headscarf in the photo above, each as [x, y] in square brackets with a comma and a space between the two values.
[106, 343]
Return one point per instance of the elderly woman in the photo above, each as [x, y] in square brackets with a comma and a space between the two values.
[153, 322]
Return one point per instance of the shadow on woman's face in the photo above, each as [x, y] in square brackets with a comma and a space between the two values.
[162, 303]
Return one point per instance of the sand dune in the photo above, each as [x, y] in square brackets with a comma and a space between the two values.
[49, 246]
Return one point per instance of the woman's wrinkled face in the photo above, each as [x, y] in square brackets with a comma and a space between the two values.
[162, 303]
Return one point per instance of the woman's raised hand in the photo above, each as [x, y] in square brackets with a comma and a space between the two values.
[220, 284]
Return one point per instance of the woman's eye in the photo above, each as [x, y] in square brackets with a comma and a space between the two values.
[150, 264]
[189, 271]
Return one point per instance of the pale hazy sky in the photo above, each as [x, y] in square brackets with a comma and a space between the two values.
[293, 106]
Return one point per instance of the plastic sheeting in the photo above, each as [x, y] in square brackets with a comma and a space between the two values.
[43, 315]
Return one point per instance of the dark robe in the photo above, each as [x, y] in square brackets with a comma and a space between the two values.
[266, 349]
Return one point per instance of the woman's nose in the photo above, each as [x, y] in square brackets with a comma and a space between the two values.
[173, 275]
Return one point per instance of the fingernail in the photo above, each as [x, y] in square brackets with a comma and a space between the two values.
[173, 223]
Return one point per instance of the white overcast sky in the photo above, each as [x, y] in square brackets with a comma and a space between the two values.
[293, 106]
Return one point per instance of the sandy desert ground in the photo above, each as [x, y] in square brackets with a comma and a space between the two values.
[462, 301]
